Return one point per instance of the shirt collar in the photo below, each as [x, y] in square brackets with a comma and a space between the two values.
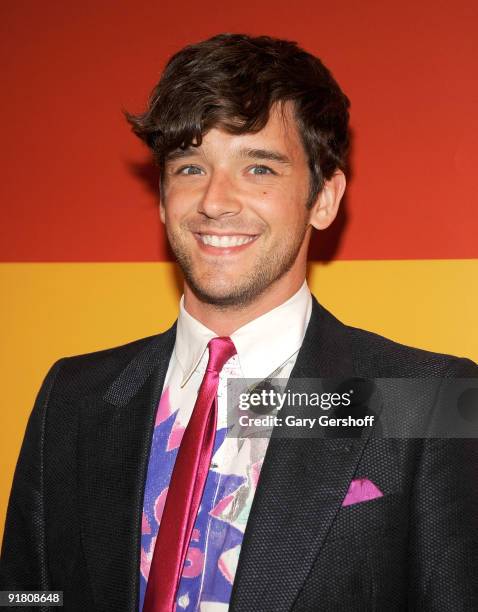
[260, 348]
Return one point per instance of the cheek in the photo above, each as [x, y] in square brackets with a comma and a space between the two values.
[283, 211]
[185, 190]
[175, 208]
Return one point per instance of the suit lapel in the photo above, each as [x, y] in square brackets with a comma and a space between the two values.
[302, 485]
[114, 443]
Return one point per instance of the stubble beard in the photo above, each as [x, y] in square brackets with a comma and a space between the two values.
[239, 293]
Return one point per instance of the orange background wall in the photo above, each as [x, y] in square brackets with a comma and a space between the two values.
[83, 259]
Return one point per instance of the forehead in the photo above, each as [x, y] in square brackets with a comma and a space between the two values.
[282, 128]
[280, 136]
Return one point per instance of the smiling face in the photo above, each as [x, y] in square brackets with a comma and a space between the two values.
[235, 213]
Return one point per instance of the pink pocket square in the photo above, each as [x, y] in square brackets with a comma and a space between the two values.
[360, 490]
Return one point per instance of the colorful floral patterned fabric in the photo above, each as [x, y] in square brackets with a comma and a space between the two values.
[215, 545]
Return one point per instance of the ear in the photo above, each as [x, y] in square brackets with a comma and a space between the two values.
[326, 206]
[162, 211]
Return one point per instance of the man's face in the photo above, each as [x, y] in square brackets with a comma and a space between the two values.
[235, 211]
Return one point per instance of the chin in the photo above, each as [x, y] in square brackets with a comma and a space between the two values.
[224, 294]
[216, 296]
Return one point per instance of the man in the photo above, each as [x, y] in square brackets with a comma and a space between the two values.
[129, 495]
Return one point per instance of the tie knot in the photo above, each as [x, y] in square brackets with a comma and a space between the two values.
[220, 350]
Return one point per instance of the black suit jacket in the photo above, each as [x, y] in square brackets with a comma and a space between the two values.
[74, 517]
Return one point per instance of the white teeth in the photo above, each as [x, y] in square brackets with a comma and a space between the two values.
[225, 241]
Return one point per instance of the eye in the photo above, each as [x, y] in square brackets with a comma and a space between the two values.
[262, 170]
[185, 170]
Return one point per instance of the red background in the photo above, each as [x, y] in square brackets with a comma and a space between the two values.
[72, 187]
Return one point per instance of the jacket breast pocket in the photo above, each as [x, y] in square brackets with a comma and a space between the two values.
[371, 520]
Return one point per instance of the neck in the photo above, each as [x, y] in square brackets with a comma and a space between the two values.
[224, 321]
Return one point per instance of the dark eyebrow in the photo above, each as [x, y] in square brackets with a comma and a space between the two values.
[260, 154]
[181, 153]
[265, 154]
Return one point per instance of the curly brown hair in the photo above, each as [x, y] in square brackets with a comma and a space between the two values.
[231, 81]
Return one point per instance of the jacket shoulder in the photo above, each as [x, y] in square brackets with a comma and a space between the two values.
[375, 353]
[81, 375]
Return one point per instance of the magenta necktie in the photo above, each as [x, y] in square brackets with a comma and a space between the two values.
[186, 486]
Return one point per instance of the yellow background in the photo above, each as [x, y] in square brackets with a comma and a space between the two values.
[53, 310]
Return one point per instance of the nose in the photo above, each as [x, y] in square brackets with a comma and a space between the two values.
[220, 197]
